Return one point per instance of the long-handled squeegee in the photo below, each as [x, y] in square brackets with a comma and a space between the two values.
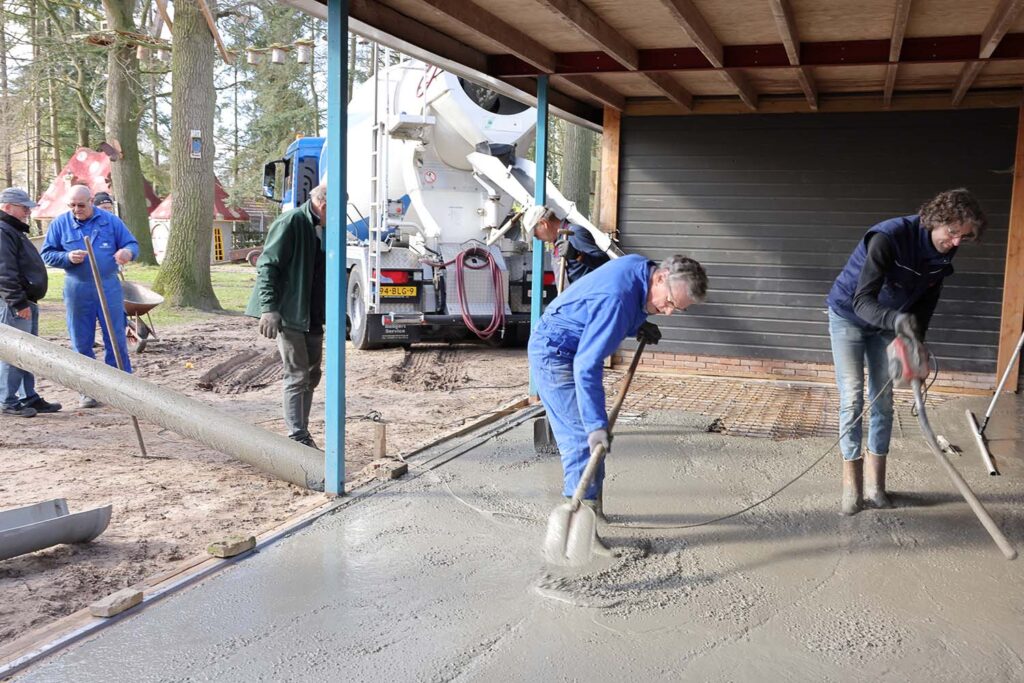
[972, 421]
[908, 365]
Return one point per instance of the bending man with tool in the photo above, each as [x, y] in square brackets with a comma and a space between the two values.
[290, 300]
[114, 246]
[889, 286]
[582, 253]
[584, 326]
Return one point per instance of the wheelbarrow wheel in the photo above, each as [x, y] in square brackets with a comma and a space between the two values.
[137, 333]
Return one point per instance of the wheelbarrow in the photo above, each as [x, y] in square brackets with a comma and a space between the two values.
[139, 300]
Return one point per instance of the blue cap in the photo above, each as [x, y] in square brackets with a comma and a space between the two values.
[16, 195]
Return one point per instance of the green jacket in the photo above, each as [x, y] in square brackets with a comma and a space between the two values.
[284, 281]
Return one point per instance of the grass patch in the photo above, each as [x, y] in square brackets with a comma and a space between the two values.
[231, 282]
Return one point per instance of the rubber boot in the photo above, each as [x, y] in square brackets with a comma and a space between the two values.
[853, 484]
[600, 547]
[874, 482]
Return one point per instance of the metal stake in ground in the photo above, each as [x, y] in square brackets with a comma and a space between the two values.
[572, 526]
[110, 329]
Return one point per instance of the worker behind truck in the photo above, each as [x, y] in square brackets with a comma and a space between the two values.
[585, 325]
[575, 243]
[890, 286]
[289, 300]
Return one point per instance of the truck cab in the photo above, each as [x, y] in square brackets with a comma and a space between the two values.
[288, 180]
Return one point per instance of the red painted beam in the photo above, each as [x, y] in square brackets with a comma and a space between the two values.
[836, 53]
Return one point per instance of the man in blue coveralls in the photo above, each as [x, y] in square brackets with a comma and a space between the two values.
[584, 326]
[582, 253]
[114, 246]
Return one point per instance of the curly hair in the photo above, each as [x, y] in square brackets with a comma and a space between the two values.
[685, 269]
[954, 207]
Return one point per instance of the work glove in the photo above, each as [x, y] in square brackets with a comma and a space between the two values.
[596, 438]
[270, 323]
[905, 325]
[649, 333]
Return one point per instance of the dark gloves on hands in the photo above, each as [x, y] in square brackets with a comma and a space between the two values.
[649, 333]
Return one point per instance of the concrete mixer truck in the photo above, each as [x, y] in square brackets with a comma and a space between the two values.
[436, 195]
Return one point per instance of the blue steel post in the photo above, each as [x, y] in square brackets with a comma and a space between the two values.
[539, 198]
[337, 283]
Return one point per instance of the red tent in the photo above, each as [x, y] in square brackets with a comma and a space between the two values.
[221, 210]
[85, 167]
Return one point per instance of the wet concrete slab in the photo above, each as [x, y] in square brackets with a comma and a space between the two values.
[439, 576]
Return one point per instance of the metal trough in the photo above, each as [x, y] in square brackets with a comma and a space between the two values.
[35, 527]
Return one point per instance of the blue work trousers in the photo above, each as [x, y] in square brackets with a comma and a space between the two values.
[852, 347]
[551, 369]
[83, 310]
[17, 386]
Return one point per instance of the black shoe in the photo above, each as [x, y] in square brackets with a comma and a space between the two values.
[308, 441]
[42, 406]
[20, 411]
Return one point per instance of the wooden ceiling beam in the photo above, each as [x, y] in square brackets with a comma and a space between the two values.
[597, 89]
[998, 24]
[899, 30]
[597, 30]
[696, 26]
[786, 23]
[489, 26]
[671, 89]
[411, 31]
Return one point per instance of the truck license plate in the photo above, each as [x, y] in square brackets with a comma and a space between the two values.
[396, 291]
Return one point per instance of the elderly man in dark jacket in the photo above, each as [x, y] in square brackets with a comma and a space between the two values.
[23, 283]
[289, 300]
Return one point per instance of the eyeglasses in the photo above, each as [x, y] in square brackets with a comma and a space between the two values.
[670, 302]
[957, 234]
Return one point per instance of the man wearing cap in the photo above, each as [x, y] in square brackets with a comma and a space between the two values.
[23, 283]
[104, 201]
[582, 255]
[114, 246]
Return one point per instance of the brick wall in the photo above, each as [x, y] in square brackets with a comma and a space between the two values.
[786, 370]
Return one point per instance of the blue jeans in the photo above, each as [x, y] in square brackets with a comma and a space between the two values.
[852, 345]
[17, 386]
[551, 369]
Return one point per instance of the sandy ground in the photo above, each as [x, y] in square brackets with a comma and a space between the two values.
[170, 506]
[438, 576]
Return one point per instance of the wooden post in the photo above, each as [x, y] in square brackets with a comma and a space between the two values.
[380, 440]
[610, 140]
[1013, 282]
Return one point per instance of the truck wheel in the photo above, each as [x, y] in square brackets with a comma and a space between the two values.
[358, 332]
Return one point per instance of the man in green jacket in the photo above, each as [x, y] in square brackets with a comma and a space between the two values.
[289, 300]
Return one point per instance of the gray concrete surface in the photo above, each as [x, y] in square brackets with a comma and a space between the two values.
[412, 584]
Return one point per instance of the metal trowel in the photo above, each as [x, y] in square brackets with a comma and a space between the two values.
[572, 526]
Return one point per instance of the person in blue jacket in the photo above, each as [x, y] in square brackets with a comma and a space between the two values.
[114, 246]
[890, 285]
[581, 328]
[582, 255]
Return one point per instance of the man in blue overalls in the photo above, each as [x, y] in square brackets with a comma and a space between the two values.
[581, 328]
[114, 246]
[582, 255]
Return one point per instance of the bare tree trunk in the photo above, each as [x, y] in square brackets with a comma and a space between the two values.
[81, 118]
[352, 44]
[314, 96]
[185, 273]
[37, 155]
[51, 103]
[577, 150]
[122, 127]
[154, 133]
[236, 148]
[5, 143]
